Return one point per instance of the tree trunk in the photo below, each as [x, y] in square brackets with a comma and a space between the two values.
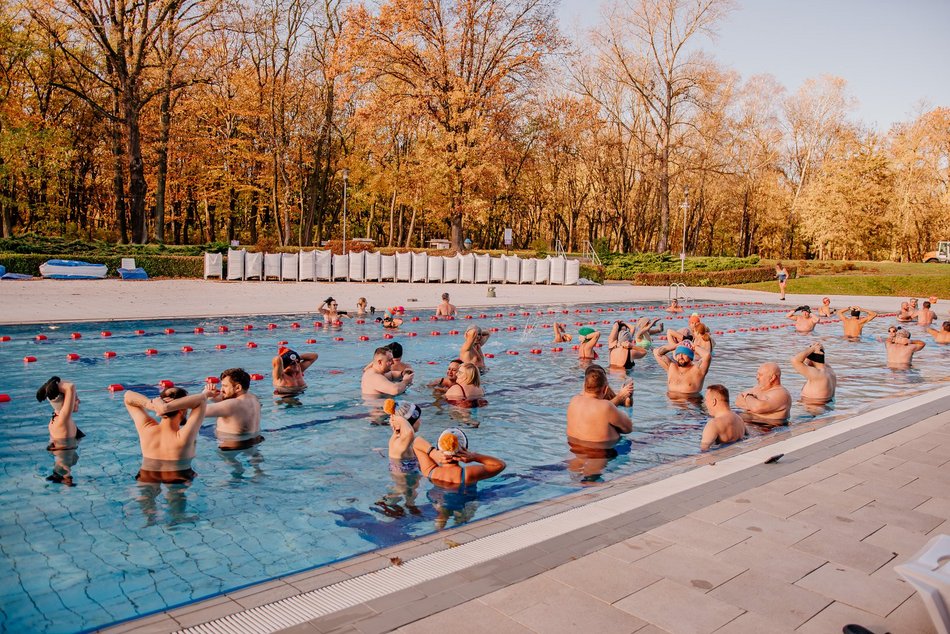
[412, 225]
[138, 188]
[664, 195]
[164, 131]
[392, 213]
[118, 184]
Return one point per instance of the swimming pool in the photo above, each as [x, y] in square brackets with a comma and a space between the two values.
[317, 490]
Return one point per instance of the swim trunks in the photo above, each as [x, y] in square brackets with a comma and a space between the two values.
[404, 465]
[182, 476]
[237, 445]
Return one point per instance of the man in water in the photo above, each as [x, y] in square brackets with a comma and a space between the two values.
[725, 426]
[926, 316]
[289, 368]
[623, 398]
[820, 379]
[901, 349]
[445, 309]
[592, 419]
[623, 351]
[941, 336]
[168, 444]
[683, 376]
[674, 307]
[238, 411]
[905, 314]
[852, 321]
[826, 310]
[805, 322]
[378, 379]
[768, 402]
[471, 350]
[399, 368]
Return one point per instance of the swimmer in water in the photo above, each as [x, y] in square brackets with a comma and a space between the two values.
[623, 398]
[674, 337]
[471, 350]
[804, 322]
[451, 464]
[399, 368]
[588, 339]
[623, 351]
[64, 435]
[445, 309]
[392, 318]
[702, 340]
[168, 444]
[332, 316]
[825, 310]
[378, 378]
[450, 378]
[468, 387]
[905, 314]
[725, 426]
[361, 307]
[684, 377]
[288, 370]
[560, 333]
[404, 419]
[820, 379]
[852, 321]
[592, 418]
[674, 307]
[901, 348]
[768, 402]
[941, 336]
[926, 316]
[645, 328]
[237, 410]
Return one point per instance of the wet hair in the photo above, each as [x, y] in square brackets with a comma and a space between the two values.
[49, 391]
[459, 361]
[445, 296]
[328, 301]
[702, 330]
[396, 348]
[595, 380]
[172, 393]
[361, 301]
[855, 313]
[239, 376]
[926, 304]
[720, 390]
[946, 326]
[382, 350]
[469, 375]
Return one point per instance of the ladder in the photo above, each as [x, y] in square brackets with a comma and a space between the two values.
[674, 293]
[590, 254]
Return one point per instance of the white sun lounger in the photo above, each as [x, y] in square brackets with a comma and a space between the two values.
[529, 269]
[371, 266]
[420, 267]
[928, 571]
[271, 265]
[403, 267]
[305, 266]
[236, 264]
[467, 268]
[254, 266]
[212, 265]
[482, 268]
[288, 266]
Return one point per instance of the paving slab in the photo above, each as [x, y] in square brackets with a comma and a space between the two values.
[771, 558]
[780, 603]
[845, 550]
[846, 585]
[678, 609]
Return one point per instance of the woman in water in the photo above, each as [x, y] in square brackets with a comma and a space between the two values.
[361, 307]
[467, 390]
[63, 434]
[782, 275]
[451, 463]
[332, 316]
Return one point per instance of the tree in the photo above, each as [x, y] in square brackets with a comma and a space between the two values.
[461, 62]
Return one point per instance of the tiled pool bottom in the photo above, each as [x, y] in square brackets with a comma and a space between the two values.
[316, 490]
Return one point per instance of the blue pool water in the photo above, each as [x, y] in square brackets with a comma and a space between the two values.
[318, 490]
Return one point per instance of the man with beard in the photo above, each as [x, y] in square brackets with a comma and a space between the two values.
[684, 377]
[238, 411]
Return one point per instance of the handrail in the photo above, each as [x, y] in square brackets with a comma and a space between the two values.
[674, 292]
[559, 249]
[590, 254]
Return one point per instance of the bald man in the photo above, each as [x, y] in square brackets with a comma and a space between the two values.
[768, 402]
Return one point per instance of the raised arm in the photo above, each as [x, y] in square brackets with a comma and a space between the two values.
[798, 361]
[871, 315]
[307, 359]
[406, 433]
[162, 407]
[918, 345]
[614, 332]
[486, 467]
[69, 396]
[620, 421]
[278, 365]
[660, 355]
[136, 403]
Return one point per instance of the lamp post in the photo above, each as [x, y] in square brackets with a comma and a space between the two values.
[685, 206]
[346, 179]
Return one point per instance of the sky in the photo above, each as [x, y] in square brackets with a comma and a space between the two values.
[893, 53]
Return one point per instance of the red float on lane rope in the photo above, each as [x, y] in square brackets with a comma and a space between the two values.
[281, 343]
[222, 329]
[251, 344]
[40, 338]
[387, 336]
[212, 379]
[5, 338]
[257, 377]
[151, 351]
[199, 330]
[75, 335]
[558, 349]
[513, 352]
[318, 324]
[4, 398]
[248, 327]
[169, 331]
[489, 356]
[72, 356]
[140, 332]
[108, 354]
[187, 349]
[364, 338]
[105, 333]
[29, 359]
[311, 341]
[271, 326]
[295, 325]
[221, 346]
[116, 387]
[338, 338]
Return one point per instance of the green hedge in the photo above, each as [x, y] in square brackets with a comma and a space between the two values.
[593, 272]
[626, 266]
[711, 278]
[33, 243]
[154, 265]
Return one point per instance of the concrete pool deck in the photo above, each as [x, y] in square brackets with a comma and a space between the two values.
[821, 529]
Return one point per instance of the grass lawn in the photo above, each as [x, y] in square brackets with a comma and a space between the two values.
[866, 278]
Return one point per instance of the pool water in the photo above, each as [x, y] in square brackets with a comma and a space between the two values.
[318, 489]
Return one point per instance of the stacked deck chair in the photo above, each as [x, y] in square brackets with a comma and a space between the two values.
[450, 268]
[529, 269]
[289, 265]
[542, 272]
[557, 270]
[236, 263]
[254, 266]
[387, 268]
[272, 265]
[512, 269]
[372, 266]
[341, 266]
[323, 266]
[482, 268]
[306, 266]
[357, 267]
[572, 272]
[403, 267]
[467, 268]
[420, 266]
[497, 270]
[436, 267]
[213, 267]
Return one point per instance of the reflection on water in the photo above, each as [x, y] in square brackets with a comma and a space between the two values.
[175, 509]
[63, 462]
[589, 460]
[236, 459]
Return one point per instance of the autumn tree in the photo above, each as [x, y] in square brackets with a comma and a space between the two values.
[460, 62]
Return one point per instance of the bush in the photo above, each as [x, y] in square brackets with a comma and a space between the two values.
[154, 265]
[83, 249]
[593, 272]
[711, 278]
[626, 266]
[540, 247]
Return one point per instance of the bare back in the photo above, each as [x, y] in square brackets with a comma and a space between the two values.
[590, 419]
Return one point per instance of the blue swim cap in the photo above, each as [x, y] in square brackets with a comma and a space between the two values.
[683, 350]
